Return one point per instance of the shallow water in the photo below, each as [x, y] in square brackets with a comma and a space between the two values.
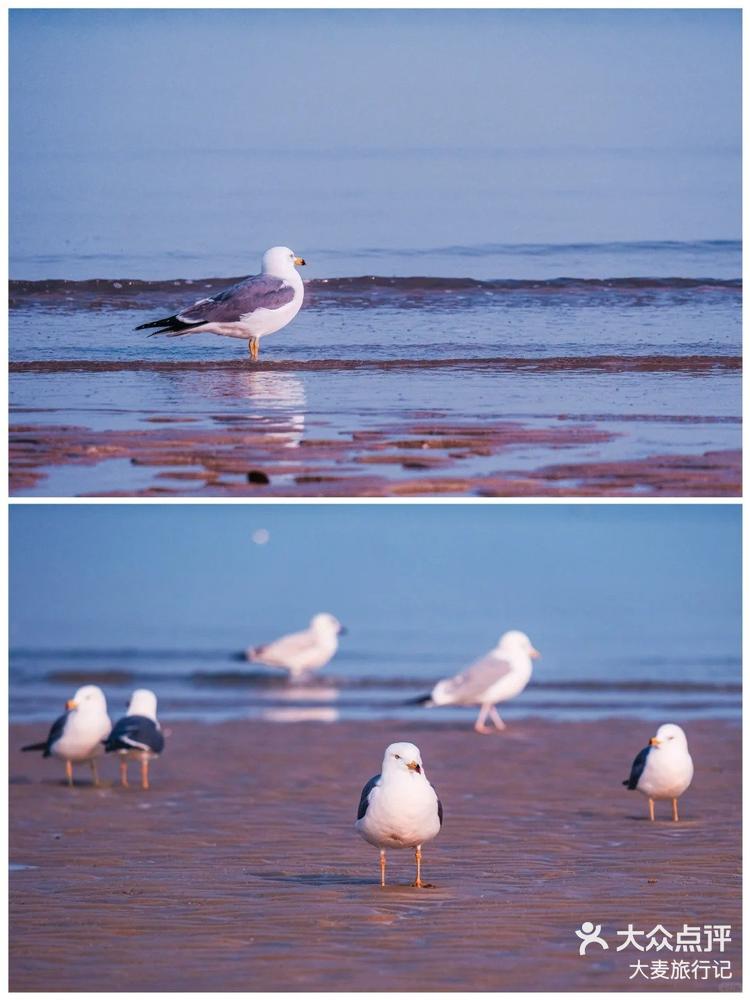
[550, 331]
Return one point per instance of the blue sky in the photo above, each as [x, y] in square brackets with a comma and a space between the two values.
[186, 575]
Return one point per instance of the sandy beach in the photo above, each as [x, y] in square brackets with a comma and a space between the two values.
[408, 449]
[241, 870]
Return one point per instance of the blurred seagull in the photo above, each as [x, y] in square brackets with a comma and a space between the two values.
[498, 676]
[302, 652]
[399, 807]
[663, 769]
[249, 310]
[77, 736]
[137, 736]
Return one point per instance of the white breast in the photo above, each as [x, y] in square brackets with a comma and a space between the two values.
[667, 774]
[82, 737]
[510, 685]
[402, 813]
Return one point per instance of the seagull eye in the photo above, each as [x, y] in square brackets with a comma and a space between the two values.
[397, 756]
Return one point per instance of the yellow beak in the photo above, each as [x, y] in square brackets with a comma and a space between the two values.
[653, 742]
[413, 766]
[70, 705]
[299, 261]
[535, 654]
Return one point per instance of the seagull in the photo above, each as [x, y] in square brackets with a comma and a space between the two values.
[249, 310]
[663, 769]
[77, 736]
[498, 676]
[302, 652]
[399, 807]
[137, 736]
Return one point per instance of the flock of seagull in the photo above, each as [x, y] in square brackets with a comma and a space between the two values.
[398, 807]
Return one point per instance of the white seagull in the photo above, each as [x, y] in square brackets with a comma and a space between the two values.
[78, 736]
[498, 676]
[663, 769]
[249, 310]
[137, 736]
[399, 807]
[302, 652]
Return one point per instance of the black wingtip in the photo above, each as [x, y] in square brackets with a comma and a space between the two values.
[423, 699]
[34, 746]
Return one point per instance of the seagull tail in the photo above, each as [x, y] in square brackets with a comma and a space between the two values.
[35, 746]
[172, 326]
[423, 699]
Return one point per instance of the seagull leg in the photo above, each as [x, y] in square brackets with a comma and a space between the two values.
[144, 773]
[479, 725]
[253, 345]
[69, 772]
[124, 772]
[418, 883]
[94, 773]
[651, 808]
[675, 814]
[382, 868]
[499, 724]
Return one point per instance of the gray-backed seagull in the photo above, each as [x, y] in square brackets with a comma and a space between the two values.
[137, 736]
[249, 310]
[302, 652]
[498, 676]
[663, 769]
[399, 807]
[77, 737]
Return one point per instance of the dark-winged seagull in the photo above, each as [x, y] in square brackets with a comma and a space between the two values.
[302, 652]
[137, 736]
[77, 737]
[663, 769]
[498, 676]
[399, 807]
[249, 310]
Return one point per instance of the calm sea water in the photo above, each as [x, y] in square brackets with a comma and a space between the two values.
[636, 609]
[417, 255]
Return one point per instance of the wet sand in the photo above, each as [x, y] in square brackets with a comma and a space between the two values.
[242, 448]
[240, 869]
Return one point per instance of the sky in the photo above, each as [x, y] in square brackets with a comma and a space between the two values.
[189, 576]
[121, 79]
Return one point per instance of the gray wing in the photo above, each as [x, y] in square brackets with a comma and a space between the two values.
[637, 769]
[278, 652]
[471, 683]
[261, 291]
[135, 732]
[364, 799]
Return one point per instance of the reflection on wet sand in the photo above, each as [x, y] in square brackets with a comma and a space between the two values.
[302, 712]
[276, 397]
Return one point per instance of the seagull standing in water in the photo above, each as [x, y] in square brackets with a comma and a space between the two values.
[663, 769]
[302, 652]
[498, 676]
[399, 807]
[77, 737]
[249, 310]
[137, 736]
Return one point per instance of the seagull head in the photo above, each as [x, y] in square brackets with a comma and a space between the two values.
[88, 698]
[669, 736]
[143, 702]
[517, 642]
[402, 758]
[281, 262]
[327, 624]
